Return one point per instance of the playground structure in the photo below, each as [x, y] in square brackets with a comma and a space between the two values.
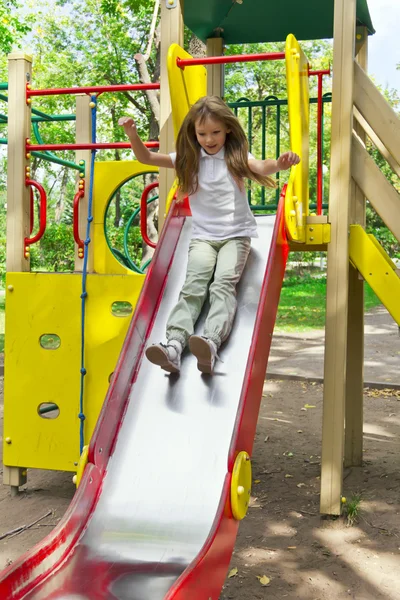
[107, 453]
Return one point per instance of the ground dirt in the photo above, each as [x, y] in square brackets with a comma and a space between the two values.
[283, 537]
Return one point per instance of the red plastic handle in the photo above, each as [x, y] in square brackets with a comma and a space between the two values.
[42, 212]
[79, 242]
[143, 214]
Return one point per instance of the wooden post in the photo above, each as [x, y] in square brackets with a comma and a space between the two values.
[83, 133]
[338, 259]
[19, 127]
[18, 195]
[215, 73]
[355, 333]
[171, 32]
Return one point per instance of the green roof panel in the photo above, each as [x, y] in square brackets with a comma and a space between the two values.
[255, 21]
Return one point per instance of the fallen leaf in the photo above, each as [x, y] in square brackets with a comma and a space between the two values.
[267, 438]
[299, 431]
[291, 547]
[233, 572]
[309, 406]
[264, 580]
[300, 485]
[257, 481]
[303, 409]
[288, 476]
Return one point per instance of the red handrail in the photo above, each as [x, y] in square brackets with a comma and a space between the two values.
[31, 214]
[42, 212]
[79, 242]
[218, 60]
[93, 89]
[143, 214]
[98, 146]
[320, 191]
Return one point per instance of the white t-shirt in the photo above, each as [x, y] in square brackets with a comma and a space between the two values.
[220, 209]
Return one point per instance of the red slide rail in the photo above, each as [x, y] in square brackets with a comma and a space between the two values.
[222, 60]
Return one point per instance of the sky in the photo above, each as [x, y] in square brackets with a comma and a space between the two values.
[384, 45]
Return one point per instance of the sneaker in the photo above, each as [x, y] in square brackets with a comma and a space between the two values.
[167, 356]
[205, 350]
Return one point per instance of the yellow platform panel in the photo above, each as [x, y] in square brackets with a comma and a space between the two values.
[296, 203]
[377, 269]
[47, 303]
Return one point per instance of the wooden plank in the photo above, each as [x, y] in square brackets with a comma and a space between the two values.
[338, 257]
[215, 73]
[19, 124]
[353, 446]
[377, 112]
[375, 140]
[83, 128]
[171, 33]
[375, 186]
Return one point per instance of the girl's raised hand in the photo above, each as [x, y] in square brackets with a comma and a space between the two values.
[128, 124]
[287, 160]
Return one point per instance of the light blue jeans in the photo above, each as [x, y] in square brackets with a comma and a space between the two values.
[225, 260]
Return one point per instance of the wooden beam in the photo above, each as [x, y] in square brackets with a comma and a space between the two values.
[19, 127]
[338, 258]
[83, 129]
[375, 186]
[353, 447]
[171, 32]
[377, 112]
[215, 73]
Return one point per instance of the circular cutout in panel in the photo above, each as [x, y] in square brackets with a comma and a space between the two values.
[122, 220]
[110, 377]
[48, 410]
[50, 341]
[121, 308]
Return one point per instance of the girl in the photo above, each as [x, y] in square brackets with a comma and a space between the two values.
[211, 163]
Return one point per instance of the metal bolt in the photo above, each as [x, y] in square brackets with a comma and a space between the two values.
[311, 239]
[10, 288]
[8, 440]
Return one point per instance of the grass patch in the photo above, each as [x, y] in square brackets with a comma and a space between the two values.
[2, 301]
[302, 303]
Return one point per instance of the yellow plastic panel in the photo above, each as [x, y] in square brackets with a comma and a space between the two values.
[296, 204]
[108, 177]
[377, 269]
[47, 303]
[186, 86]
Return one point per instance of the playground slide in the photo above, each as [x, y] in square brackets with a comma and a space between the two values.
[152, 516]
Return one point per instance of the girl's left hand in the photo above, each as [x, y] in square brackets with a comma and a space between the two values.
[287, 160]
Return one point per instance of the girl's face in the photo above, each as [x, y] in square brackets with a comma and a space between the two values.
[211, 134]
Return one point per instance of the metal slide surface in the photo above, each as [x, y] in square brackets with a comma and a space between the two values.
[164, 483]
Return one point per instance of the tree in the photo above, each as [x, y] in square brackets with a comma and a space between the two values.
[12, 26]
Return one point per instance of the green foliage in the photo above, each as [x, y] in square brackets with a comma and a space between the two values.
[2, 308]
[352, 509]
[12, 26]
[55, 251]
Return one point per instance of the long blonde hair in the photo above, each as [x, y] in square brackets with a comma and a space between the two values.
[236, 146]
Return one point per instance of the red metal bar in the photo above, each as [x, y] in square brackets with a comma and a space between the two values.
[42, 212]
[88, 146]
[32, 208]
[319, 147]
[79, 242]
[320, 74]
[143, 214]
[218, 60]
[96, 89]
